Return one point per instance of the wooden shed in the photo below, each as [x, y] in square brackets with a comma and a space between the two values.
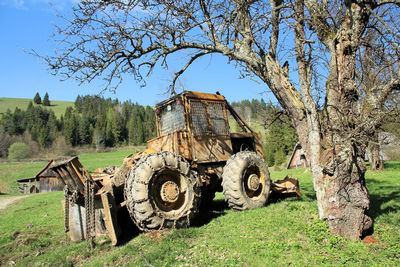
[45, 181]
[298, 158]
[28, 185]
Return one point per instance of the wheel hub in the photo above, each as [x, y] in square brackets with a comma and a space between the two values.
[253, 183]
[169, 192]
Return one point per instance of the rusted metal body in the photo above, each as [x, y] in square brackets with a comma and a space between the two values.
[191, 125]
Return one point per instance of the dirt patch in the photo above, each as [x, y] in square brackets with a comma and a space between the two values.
[157, 235]
[370, 239]
[7, 201]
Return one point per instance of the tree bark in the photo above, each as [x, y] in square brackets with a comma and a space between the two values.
[343, 195]
[341, 190]
[376, 163]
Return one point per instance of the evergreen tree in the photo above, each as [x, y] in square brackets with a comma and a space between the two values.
[53, 126]
[70, 128]
[46, 101]
[84, 130]
[281, 136]
[5, 142]
[7, 122]
[78, 104]
[99, 133]
[43, 136]
[112, 130]
[279, 157]
[37, 99]
[139, 133]
[269, 155]
[131, 130]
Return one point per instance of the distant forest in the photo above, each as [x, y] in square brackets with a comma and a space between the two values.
[93, 121]
[98, 122]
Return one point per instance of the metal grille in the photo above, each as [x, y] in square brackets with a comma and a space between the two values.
[199, 118]
[172, 118]
[219, 126]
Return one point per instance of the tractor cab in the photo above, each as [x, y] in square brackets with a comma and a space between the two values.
[196, 126]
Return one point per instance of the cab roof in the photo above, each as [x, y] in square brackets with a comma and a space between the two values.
[194, 95]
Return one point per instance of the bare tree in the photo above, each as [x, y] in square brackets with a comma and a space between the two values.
[109, 38]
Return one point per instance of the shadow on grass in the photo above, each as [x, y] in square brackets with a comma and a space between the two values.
[276, 198]
[392, 165]
[306, 190]
[207, 213]
[129, 231]
[381, 194]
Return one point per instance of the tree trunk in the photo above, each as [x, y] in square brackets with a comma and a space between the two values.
[342, 192]
[337, 163]
[375, 161]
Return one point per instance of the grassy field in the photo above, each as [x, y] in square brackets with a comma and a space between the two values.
[11, 103]
[281, 233]
[12, 171]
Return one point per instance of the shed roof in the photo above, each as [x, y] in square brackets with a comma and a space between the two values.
[46, 171]
[296, 147]
[26, 180]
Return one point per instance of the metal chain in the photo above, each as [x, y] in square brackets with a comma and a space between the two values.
[66, 211]
[86, 208]
[89, 212]
[92, 215]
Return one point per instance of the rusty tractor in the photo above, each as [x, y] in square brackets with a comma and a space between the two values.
[194, 156]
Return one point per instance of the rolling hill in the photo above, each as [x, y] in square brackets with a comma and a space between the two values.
[11, 103]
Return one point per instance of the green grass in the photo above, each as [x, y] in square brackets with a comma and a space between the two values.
[13, 171]
[58, 107]
[10, 172]
[281, 233]
[98, 160]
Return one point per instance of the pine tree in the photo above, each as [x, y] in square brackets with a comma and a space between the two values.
[131, 130]
[70, 128]
[279, 157]
[112, 131]
[269, 155]
[78, 104]
[44, 136]
[139, 133]
[84, 131]
[37, 99]
[46, 101]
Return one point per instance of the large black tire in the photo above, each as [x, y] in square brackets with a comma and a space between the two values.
[245, 181]
[161, 191]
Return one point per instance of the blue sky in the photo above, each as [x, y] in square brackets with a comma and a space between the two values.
[28, 24]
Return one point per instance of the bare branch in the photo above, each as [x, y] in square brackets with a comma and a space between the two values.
[275, 6]
[319, 20]
[393, 85]
[179, 73]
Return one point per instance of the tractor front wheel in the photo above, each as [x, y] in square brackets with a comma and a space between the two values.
[246, 181]
[162, 192]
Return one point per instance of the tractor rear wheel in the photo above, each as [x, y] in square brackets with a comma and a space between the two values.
[162, 191]
[246, 181]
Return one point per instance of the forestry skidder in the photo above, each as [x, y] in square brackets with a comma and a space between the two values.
[194, 156]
